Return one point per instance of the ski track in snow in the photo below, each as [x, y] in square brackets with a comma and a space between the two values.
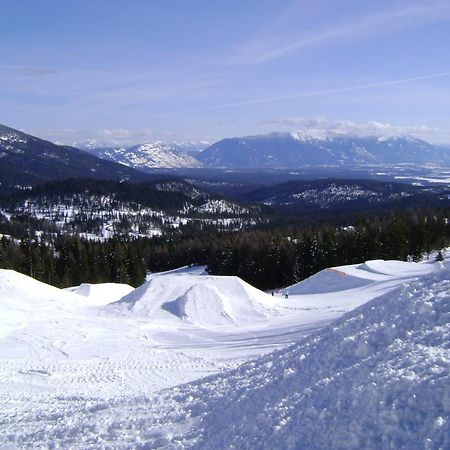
[76, 372]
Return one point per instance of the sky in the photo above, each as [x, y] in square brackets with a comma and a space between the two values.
[135, 71]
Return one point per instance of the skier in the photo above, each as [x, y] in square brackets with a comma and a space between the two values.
[287, 295]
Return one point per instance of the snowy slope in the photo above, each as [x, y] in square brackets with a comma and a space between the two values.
[377, 378]
[93, 376]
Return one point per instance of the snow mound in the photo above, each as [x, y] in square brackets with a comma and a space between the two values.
[19, 291]
[21, 297]
[202, 300]
[328, 280]
[102, 293]
[377, 378]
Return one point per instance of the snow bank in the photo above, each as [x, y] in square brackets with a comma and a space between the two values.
[102, 293]
[377, 378]
[199, 299]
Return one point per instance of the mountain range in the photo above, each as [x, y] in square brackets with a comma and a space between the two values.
[278, 151]
[28, 160]
[291, 150]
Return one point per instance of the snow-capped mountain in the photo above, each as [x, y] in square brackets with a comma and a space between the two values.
[287, 150]
[27, 160]
[151, 155]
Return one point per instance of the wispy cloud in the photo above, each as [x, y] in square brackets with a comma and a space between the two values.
[39, 71]
[14, 71]
[275, 44]
[297, 122]
[359, 87]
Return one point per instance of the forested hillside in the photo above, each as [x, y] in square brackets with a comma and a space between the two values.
[268, 258]
[99, 210]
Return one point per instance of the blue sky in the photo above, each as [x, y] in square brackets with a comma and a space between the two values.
[134, 71]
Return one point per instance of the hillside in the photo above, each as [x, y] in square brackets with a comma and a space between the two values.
[340, 195]
[98, 209]
[27, 160]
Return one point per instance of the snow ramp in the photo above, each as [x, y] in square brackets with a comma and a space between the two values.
[395, 268]
[328, 280]
[202, 300]
[353, 276]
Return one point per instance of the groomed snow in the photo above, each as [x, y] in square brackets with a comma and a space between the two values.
[75, 373]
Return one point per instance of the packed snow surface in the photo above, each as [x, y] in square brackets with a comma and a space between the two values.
[78, 373]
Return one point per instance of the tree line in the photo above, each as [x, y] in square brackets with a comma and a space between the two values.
[266, 258]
